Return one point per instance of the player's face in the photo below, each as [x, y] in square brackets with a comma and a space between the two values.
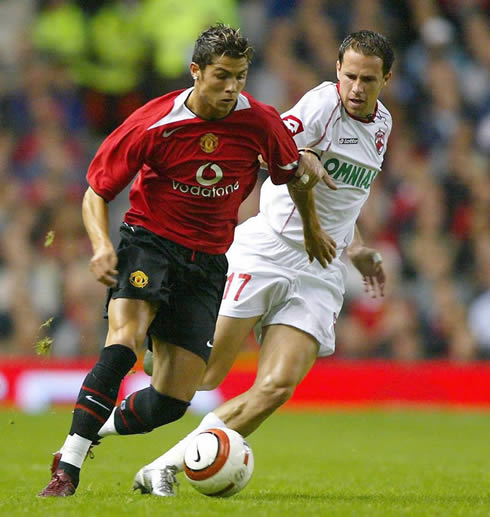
[217, 86]
[361, 80]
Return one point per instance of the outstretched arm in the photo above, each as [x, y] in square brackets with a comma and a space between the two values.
[369, 263]
[310, 171]
[95, 214]
[318, 244]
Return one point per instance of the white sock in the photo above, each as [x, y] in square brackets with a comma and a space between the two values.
[75, 449]
[175, 455]
[62, 448]
[210, 420]
[109, 427]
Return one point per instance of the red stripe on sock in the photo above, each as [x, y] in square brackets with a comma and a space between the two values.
[131, 408]
[125, 422]
[90, 412]
[95, 392]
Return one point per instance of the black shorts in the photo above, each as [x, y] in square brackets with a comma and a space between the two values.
[188, 284]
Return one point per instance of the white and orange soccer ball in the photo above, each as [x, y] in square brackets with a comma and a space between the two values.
[218, 462]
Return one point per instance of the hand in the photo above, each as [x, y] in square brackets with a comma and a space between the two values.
[370, 264]
[310, 171]
[319, 245]
[103, 265]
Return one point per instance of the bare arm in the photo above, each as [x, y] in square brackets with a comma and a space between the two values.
[95, 213]
[318, 244]
[310, 171]
[357, 242]
[369, 263]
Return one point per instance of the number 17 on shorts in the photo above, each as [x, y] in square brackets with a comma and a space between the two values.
[235, 284]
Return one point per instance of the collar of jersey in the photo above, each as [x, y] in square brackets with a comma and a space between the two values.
[180, 111]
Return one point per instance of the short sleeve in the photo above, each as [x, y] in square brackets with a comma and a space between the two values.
[308, 120]
[118, 159]
[282, 153]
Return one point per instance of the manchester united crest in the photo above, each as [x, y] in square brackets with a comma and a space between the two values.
[379, 140]
[138, 279]
[209, 142]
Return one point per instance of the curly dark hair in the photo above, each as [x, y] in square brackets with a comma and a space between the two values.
[369, 43]
[220, 40]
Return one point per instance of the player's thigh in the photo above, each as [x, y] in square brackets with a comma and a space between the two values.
[128, 321]
[286, 356]
[229, 337]
[177, 372]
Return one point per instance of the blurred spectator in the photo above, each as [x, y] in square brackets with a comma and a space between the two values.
[479, 308]
[123, 52]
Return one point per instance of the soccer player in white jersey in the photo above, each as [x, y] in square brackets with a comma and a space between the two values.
[273, 286]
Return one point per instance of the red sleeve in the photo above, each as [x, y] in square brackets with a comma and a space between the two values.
[282, 153]
[118, 159]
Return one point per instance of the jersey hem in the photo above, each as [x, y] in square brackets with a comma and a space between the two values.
[177, 240]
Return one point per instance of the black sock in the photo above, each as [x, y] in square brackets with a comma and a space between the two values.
[147, 409]
[72, 471]
[98, 394]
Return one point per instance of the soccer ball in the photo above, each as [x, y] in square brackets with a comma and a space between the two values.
[218, 462]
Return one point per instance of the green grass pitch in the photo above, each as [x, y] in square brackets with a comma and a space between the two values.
[386, 462]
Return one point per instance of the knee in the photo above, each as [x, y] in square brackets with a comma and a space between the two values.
[127, 328]
[273, 392]
[125, 337]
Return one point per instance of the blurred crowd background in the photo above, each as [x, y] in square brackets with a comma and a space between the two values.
[71, 71]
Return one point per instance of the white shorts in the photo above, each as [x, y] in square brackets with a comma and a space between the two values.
[270, 278]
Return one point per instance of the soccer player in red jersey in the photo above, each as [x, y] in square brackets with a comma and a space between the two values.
[194, 154]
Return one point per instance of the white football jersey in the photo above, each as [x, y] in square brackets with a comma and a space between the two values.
[352, 152]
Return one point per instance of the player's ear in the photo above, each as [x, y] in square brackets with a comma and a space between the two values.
[338, 69]
[194, 69]
[387, 77]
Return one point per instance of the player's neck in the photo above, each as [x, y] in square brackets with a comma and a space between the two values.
[203, 109]
[366, 118]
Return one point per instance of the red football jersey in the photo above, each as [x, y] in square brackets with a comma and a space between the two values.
[193, 174]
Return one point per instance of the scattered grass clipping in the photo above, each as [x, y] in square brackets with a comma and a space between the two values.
[46, 324]
[49, 239]
[43, 346]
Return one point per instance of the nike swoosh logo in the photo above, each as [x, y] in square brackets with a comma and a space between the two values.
[96, 402]
[166, 133]
[198, 456]
[209, 344]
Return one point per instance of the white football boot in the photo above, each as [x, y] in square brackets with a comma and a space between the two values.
[161, 482]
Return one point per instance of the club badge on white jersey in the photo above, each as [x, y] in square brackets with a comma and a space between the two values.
[352, 152]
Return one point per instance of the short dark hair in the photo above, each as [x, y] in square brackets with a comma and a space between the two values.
[220, 40]
[369, 43]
